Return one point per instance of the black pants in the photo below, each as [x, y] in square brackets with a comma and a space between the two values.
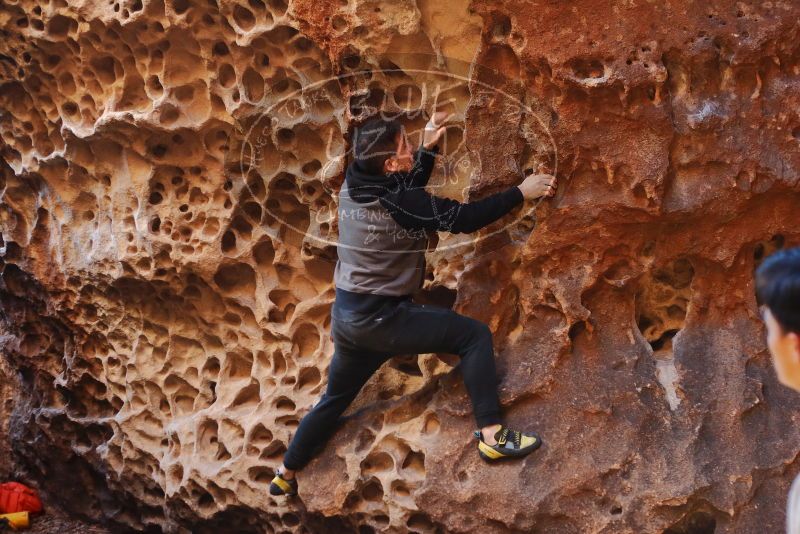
[362, 342]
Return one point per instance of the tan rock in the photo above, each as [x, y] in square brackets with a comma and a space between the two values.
[169, 177]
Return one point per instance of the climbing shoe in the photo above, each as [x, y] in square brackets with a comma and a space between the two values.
[282, 486]
[510, 444]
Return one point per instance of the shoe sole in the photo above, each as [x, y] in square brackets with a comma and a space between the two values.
[280, 493]
[277, 491]
[505, 456]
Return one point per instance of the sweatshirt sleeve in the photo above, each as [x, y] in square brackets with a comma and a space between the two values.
[415, 209]
[424, 159]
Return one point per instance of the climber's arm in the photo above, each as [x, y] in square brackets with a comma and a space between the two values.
[424, 159]
[425, 156]
[417, 209]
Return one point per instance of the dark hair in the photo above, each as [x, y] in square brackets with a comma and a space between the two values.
[778, 287]
[374, 142]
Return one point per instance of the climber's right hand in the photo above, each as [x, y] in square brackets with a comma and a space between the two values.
[538, 185]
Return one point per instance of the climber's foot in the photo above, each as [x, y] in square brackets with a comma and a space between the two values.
[283, 486]
[510, 444]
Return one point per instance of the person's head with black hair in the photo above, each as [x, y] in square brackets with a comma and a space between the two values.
[778, 295]
[381, 146]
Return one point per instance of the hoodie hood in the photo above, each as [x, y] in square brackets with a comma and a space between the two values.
[365, 187]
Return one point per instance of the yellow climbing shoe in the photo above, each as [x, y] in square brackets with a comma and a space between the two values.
[282, 486]
[510, 444]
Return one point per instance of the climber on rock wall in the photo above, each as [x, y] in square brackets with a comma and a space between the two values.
[778, 292]
[385, 219]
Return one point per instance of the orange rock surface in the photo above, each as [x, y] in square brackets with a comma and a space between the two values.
[167, 210]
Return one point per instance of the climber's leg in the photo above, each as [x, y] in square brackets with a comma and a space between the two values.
[422, 328]
[349, 370]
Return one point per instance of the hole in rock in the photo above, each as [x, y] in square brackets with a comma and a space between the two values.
[437, 295]
[408, 96]
[288, 421]
[253, 211]
[400, 489]
[587, 68]
[285, 137]
[765, 249]
[253, 85]
[284, 404]
[408, 364]
[180, 6]
[256, 185]
[431, 425]
[175, 474]
[228, 241]
[226, 76]
[290, 520]
[183, 94]
[105, 68]
[661, 306]
[377, 462]
[70, 108]
[279, 7]
[238, 365]
[372, 491]
[694, 523]
[206, 501]
[364, 439]
[415, 462]
[241, 226]
[278, 363]
[576, 329]
[258, 5]
[260, 475]
[419, 521]
[236, 277]
[158, 151]
[220, 49]
[244, 18]
[308, 378]
[222, 453]
[260, 435]
[262, 60]
[501, 27]
[339, 23]
[663, 342]
[274, 450]
[306, 337]
[207, 434]
[311, 167]
[249, 396]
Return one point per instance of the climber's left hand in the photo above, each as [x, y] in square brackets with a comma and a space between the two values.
[434, 129]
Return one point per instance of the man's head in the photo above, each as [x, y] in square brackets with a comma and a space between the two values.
[381, 146]
[778, 293]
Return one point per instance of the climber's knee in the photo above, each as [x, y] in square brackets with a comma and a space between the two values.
[483, 332]
[476, 334]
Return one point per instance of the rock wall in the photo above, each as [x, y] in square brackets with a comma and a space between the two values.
[168, 182]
